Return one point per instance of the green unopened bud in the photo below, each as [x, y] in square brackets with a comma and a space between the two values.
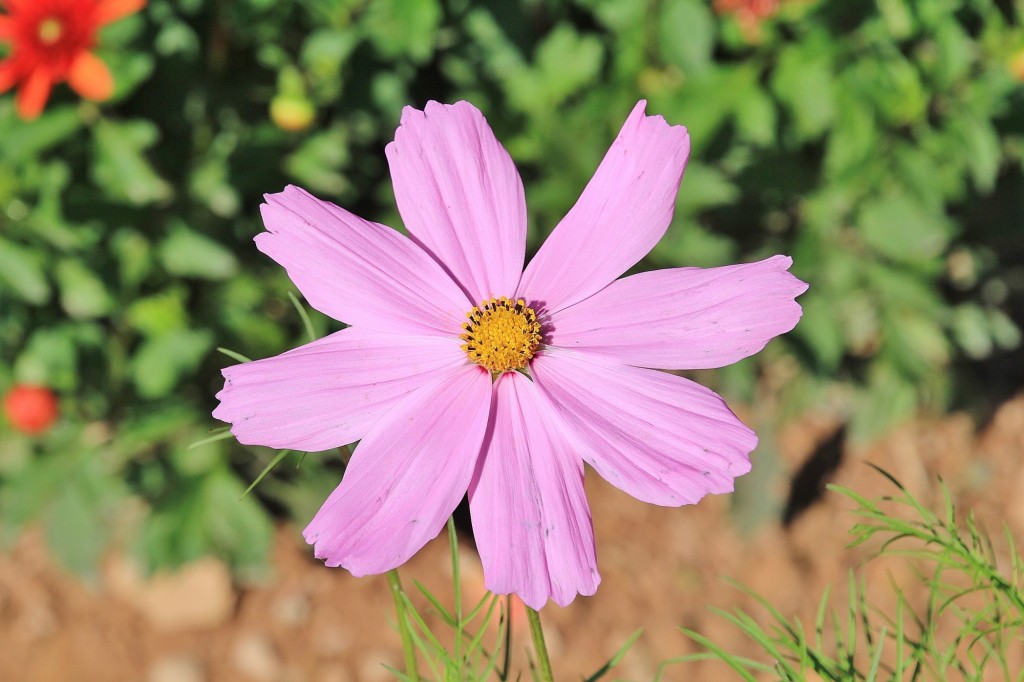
[1016, 64]
[292, 113]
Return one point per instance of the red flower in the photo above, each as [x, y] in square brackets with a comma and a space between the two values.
[51, 41]
[748, 13]
[30, 409]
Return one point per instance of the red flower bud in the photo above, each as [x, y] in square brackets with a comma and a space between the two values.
[30, 409]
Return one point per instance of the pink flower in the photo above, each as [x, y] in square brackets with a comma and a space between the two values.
[461, 371]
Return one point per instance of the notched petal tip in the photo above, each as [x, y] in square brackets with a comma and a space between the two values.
[655, 123]
[288, 194]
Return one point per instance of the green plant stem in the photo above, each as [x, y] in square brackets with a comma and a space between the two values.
[539, 647]
[408, 647]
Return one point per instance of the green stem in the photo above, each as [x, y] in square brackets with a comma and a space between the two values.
[539, 647]
[408, 648]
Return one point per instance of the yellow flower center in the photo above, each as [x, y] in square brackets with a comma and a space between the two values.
[501, 335]
[50, 30]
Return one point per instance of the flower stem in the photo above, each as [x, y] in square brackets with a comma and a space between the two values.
[539, 647]
[408, 648]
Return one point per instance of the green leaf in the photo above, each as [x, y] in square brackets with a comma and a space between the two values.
[158, 314]
[25, 141]
[888, 400]
[130, 69]
[21, 273]
[688, 243]
[80, 520]
[198, 456]
[205, 514]
[121, 169]
[756, 116]
[177, 37]
[74, 494]
[403, 27]
[899, 20]
[803, 82]
[899, 228]
[686, 34]
[211, 185]
[902, 287]
[162, 361]
[821, 330]
[134, 256]
[956, 52]
[82, 293]
[917, 343]
[565, 63]
[317, 163]
[187, 253]
[970, 328]
[1005, 332]
[324, 53]
[853, 139]
[705, 187]
[894, 84]
[49, 358]
[981, 147]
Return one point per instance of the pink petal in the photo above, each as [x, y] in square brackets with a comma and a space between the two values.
[659, 437]
[356, 271]
[406, 477]
[330, 392]
[623, 212]
[460, 196]
[530, 514]
[684, 318]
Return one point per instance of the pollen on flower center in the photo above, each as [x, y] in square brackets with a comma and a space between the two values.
[50, 30]
[501, 334]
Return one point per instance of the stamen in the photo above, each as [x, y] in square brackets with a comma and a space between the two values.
[50, 30]
[501, 335]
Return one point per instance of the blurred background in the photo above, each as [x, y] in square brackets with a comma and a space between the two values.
[878, 142]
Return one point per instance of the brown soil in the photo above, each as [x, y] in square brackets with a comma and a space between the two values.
[662, 568]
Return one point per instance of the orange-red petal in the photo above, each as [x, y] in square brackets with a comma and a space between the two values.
[33, 93]
[90, 77]
[6, 26]
[8, 74]
[112, 10]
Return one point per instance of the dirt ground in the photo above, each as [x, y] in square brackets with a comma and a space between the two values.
[662, 568]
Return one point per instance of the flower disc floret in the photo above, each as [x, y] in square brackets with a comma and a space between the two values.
[501, 335]
[50, 30]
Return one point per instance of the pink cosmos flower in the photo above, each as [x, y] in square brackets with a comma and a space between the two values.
[463, 372]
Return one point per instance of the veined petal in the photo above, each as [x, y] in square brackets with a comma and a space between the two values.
[330, 392]
[623, 212]
[33, 93]
[90, 77]
[659, 437]
[530, 514]
[359, 272]
[460, 196]
[406, 476]
[112, 10]
[684, 318]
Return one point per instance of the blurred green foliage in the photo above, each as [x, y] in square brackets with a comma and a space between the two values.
[880, 142]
